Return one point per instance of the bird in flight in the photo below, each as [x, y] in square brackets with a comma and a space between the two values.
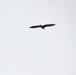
[42, 26]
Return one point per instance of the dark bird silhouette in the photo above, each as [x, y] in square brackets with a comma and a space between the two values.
[42, 26]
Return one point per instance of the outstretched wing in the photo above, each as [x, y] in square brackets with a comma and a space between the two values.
[47, 25]
[35, 26]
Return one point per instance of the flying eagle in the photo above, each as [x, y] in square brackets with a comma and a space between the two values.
[42, 26]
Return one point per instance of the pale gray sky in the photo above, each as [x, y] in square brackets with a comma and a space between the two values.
[25, 51]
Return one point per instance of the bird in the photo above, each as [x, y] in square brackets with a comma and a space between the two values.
[42, 26]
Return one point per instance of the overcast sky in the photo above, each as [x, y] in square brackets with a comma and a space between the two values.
[25, 51]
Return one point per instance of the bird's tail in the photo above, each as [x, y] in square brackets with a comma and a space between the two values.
[43, 27]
